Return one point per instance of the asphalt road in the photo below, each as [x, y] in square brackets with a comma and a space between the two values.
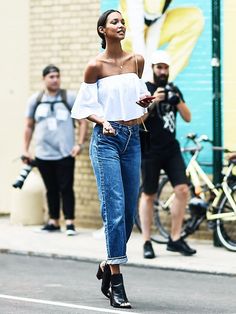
[47, 286]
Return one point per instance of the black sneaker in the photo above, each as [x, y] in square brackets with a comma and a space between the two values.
[51, 228]
[70, 230]
[180, 246]
[148, 251]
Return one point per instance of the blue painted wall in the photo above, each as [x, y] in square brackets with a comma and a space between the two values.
[196, 82]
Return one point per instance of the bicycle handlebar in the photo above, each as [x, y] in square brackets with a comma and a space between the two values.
[203, 138]
[198, 147]
[222, 149]
[191, 149]
[196, 140]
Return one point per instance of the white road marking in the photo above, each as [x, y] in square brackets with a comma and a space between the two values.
[62, 304]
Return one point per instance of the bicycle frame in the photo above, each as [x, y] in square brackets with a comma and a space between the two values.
[214, 203]
[194, 171]
[197, 174]
[225, 190]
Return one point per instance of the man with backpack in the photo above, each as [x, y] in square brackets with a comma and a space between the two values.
[48, 119]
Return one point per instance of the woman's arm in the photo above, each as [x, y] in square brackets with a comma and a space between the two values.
[91, 72]
[91, 75]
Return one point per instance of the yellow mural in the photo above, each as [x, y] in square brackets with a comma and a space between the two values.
[151, 24]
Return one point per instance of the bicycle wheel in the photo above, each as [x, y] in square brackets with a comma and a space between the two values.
[156, 236]
[165, 197]
[226, 227]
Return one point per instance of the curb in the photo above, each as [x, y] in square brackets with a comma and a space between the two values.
[95, 260]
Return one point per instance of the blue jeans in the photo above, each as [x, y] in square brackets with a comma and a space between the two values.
[116, 162]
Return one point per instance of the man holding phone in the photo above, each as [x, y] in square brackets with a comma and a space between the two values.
[164, 153]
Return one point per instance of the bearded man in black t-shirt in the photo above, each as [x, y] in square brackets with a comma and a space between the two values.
[164, 153]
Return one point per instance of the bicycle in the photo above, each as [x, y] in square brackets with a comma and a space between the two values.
[214, 203]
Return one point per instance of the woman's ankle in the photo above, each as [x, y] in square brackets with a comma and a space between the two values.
[116, 279]
[115, 269]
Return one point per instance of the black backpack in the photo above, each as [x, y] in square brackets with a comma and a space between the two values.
[63, 100]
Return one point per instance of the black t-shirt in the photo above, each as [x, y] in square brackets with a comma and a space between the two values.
[161, 122]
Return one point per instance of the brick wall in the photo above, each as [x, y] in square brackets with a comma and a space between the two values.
[63, 32]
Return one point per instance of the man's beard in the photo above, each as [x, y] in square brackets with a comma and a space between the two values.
[161, 80]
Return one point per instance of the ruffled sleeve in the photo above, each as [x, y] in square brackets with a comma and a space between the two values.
[86, 102]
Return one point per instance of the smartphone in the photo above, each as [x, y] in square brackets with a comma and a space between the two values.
[148, 98]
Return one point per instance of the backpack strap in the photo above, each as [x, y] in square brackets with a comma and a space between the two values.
[39, 97]
[64, 98]
[38, 101]
[63, 94]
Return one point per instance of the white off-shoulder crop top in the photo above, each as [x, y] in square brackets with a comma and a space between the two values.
[112, 97]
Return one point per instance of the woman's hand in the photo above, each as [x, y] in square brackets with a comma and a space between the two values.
[108, 129]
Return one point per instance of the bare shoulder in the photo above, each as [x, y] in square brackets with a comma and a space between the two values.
[92, 70]
[138, 57]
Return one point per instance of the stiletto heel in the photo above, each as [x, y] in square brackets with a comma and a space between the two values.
[104, 273]
[118, 296]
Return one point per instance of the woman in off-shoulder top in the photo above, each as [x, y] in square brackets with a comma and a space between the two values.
[108, 97]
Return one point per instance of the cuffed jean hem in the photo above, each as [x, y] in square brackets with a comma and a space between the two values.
[117, 260]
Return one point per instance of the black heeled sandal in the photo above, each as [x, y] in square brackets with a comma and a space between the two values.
[118, 296]
[104, 273]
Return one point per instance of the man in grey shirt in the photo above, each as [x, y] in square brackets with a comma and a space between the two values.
[48, 119]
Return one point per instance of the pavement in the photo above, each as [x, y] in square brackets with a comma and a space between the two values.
[89, 245]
